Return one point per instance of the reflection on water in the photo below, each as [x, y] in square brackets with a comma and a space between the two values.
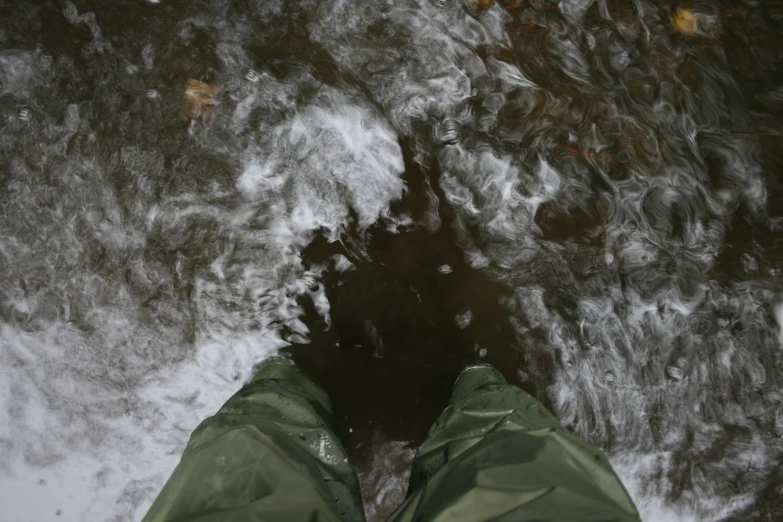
[584, 193]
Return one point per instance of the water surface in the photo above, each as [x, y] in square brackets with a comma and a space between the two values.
[574, 191]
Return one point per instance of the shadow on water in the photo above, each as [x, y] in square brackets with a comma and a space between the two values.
[394, 348]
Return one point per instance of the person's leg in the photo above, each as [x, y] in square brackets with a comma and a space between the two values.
[497, 454]
[269, 454]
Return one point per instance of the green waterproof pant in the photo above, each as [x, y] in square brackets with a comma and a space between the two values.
[270, 454]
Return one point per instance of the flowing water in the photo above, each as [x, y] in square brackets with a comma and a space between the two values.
[388, 190]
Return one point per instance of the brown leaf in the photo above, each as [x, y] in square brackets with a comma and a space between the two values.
[199, 99]
[702, 26]
[589, 155]
[685, 22]
[514, 4]
[481, 5]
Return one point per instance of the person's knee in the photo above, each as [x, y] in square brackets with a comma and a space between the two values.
[475, 377]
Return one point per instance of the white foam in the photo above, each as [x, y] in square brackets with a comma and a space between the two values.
[101, 410]
[86, 435]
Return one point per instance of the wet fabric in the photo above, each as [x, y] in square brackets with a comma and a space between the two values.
[270, 453]
[495, 453]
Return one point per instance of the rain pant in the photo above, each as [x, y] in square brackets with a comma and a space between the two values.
[271, 454]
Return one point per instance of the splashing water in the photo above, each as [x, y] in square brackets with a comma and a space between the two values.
[584, 169]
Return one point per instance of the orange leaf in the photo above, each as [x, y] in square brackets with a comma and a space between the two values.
[199, 99]
[685, 22]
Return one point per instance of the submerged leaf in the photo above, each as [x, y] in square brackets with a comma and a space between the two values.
[476, 7]
[691, 23]
[685, 22]
[199, 99]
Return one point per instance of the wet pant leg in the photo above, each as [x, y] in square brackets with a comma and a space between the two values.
[497, 454]
[269, 454]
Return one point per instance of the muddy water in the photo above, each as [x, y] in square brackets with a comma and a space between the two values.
[584, 193]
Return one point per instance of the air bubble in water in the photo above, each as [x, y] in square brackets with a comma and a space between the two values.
[25, 115]
[464, 318]
[674, 370]
[749, 263]
[310, 282]
[449, 133]
[620, 60]
[153, 95]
